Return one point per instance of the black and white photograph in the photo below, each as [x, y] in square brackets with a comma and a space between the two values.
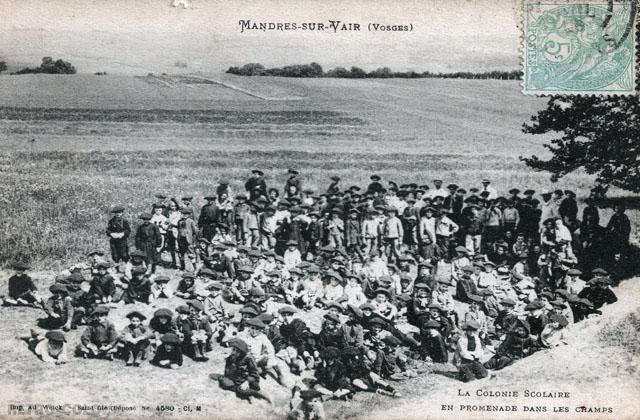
[319, 209]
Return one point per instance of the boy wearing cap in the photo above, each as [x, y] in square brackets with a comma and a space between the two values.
[308, 405]
[536, 317]
[197, 332]
[352, 235]
[419, 303]
[330, 374]
[103, 286]
[255, 185]
[475, 313]
[293, 332]
[507, 316]
[134, 339]
[160, 288]
[469, 352]
[268, 226]
[59, 308]
[382, 306]
[187, 234]
[516, 345]
[187, 286]
[292, 256]
[261, 349]
[335, 229]
[100, 338]
[208, 217]
[432, 344]
[240, 373]
[598, 291]
[392, 233]
[22, 290]
[251, 226]
[332, 291]
[330, 334]
[352, 330]
[240, 209]
[510, 217]
[160, 324]
[118, 230]
[51, 348]
[168, 355]
[353, 291]
[446, 230]
[138, 288]
[215, 307]
[370, 231]
[312, 289]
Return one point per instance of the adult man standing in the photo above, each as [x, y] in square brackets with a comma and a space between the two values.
[118, 230]
[568, 208]
[618, 230]
[208, 218]
[256, 186]
[293, 180]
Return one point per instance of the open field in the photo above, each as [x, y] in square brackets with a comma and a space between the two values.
[74, 146]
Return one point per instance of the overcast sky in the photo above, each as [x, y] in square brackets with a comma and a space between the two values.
[139, 36]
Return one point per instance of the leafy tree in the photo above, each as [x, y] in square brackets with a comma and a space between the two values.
[3, 66]
[50, 67]
[599, 134]
[358, 73]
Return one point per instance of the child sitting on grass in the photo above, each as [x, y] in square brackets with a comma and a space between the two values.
[22, 290]
[100, 338]
[169, 354]
[51, 348]
[240, 373]
[135, 339]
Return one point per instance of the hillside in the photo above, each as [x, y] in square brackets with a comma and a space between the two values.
[599, 367]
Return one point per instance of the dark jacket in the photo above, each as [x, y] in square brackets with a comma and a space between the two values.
[100, 333]
[294, 334]
[598, 296]
[119, 225]
[435, 348]
[332, 376]
[148, 239]
[241, 368]
[20, 285]
[102, 286]
[174, 356]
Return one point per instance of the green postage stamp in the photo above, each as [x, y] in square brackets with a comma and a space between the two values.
[572, 48]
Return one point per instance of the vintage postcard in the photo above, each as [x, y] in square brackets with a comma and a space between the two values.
[319, 209]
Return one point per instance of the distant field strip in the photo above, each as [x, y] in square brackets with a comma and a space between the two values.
[179, 116]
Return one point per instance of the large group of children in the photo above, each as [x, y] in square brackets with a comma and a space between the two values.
[402, 275]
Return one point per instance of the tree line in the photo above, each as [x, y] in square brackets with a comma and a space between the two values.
[48, 66]
[315, 70]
